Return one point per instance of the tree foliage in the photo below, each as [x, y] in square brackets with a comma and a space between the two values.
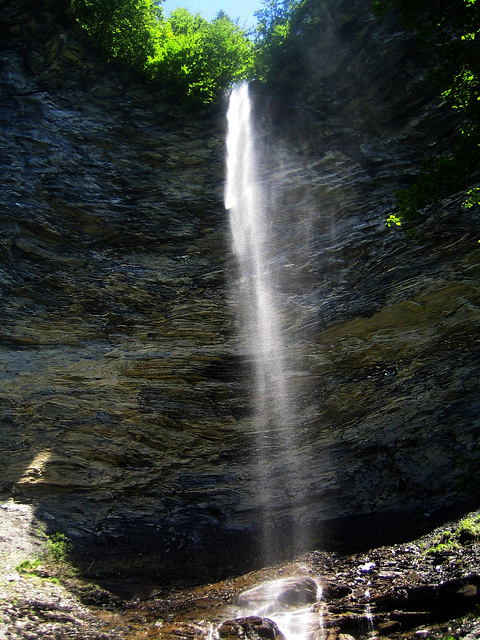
[122, 29]
[199, 59]
[186, 56]
[282, 37]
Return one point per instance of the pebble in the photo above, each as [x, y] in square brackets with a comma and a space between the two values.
[12, 577]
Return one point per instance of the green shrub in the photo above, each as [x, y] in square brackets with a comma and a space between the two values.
[59, 547]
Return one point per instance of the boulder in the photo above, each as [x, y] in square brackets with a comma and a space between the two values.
[251, 628]
[298, 591]
[279, 594]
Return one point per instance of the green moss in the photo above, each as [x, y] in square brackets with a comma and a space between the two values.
[467, 530]
[442, 547]
[54, 563]
[28, 567]
[446, 543]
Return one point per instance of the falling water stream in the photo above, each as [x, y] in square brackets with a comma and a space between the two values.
[251, 240]
[295, 622]
[260, 317]
[259, 304]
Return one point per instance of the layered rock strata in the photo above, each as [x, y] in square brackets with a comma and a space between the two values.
[126, 407]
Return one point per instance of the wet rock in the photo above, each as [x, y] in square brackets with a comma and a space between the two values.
[251, 628]
[290, 592]
[468, 591]
[367, 567]
[298, 592]
[387, 627]
[335, 591]
[473, 634]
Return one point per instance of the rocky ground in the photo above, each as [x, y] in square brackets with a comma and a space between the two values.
[428, 588]
[37, 604]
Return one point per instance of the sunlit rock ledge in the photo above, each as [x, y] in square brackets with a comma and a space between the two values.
[125, 389]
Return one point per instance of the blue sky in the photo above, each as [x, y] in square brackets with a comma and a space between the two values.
[242, 9]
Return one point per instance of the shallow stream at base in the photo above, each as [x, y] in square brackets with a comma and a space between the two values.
[402, 592]
[275, 593]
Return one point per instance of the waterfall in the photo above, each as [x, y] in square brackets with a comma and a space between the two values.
[257, 299]
[250, 234]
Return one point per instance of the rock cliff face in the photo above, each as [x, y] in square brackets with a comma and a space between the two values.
[383, 350]
[126, 409]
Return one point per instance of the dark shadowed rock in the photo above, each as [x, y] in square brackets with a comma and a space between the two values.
[250, 628]
[388, 626]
